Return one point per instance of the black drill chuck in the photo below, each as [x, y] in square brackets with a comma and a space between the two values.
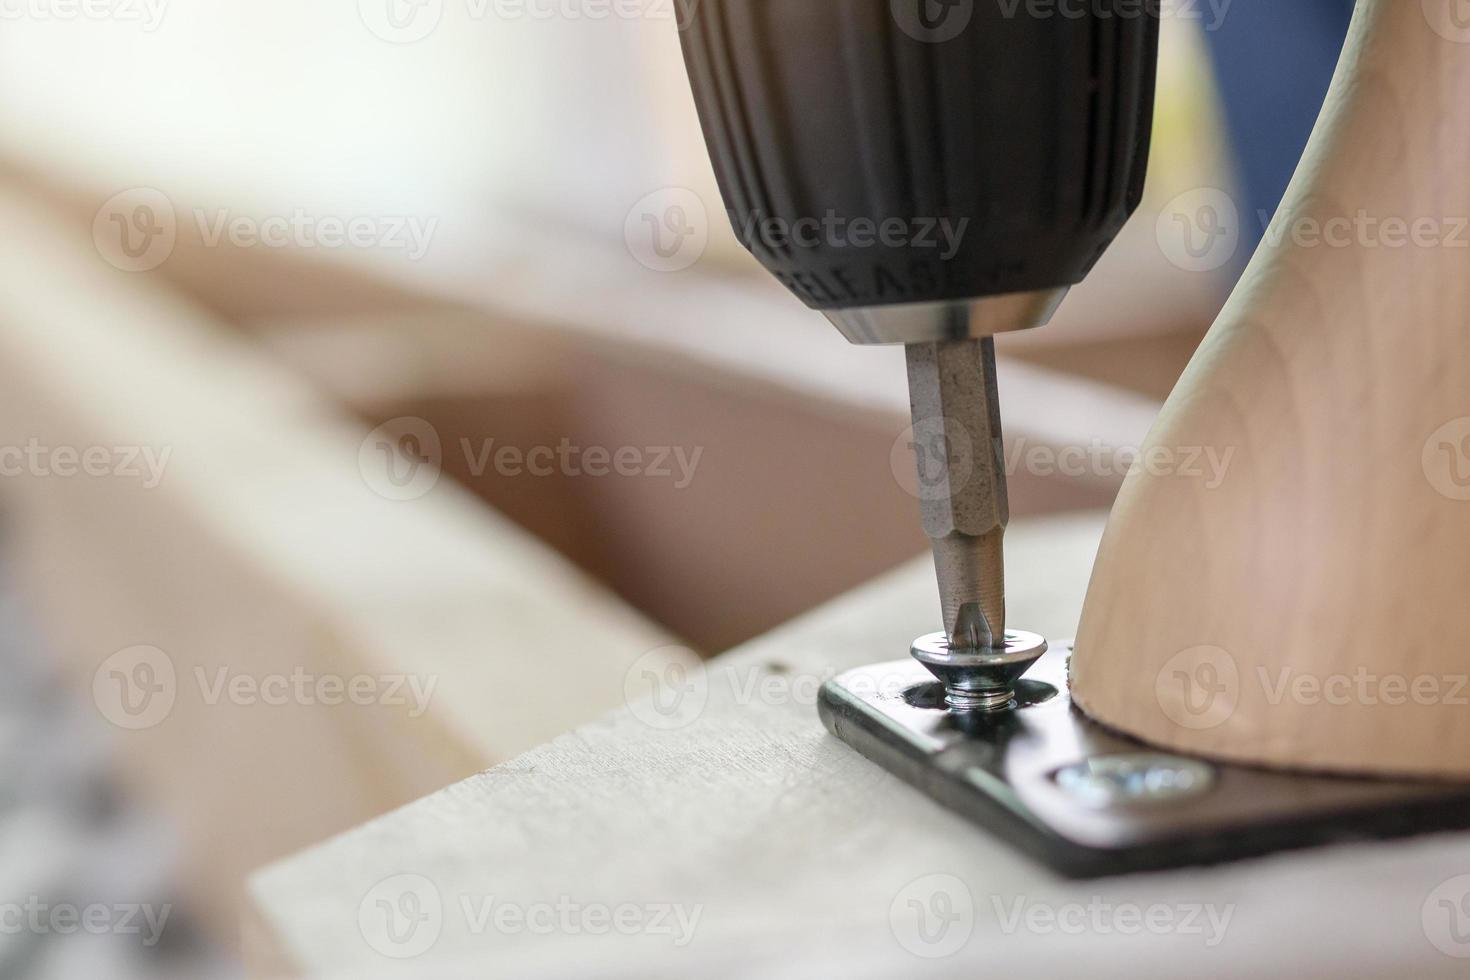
[880, 152]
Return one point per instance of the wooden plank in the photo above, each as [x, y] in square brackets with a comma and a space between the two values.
[741, 810]
[801, 857]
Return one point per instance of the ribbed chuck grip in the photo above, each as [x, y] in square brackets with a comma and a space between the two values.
[873, 152]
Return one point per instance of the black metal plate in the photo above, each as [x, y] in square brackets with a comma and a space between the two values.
[1003, 774]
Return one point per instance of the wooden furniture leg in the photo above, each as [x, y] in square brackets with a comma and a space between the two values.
[1308, 610]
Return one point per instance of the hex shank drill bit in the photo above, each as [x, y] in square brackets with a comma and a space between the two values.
[962, 484]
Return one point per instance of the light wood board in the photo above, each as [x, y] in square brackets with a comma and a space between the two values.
[796, 850]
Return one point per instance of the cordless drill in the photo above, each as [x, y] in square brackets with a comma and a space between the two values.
[933, 173]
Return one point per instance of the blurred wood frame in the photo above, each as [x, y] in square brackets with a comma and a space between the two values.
[264, 551]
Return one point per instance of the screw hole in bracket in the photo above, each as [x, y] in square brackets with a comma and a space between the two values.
[929, 695]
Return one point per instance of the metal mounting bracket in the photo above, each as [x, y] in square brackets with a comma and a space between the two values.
[1090, 802]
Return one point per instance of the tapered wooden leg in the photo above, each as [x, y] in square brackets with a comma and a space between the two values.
[1307, 604]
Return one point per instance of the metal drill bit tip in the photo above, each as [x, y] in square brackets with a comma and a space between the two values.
[971, 629]
[972, 588]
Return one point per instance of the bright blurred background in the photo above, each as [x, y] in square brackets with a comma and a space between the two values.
[356, 437]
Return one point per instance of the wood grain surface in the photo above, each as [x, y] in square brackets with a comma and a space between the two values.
[797, 858]
[1310, 609]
